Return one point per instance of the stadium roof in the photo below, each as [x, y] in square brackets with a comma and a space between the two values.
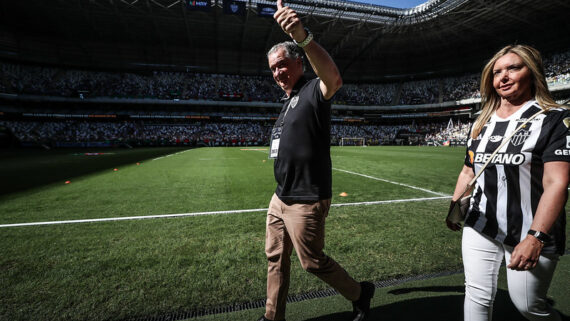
[368, 42]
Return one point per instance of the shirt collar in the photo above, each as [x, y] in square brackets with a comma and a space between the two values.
[298, 85]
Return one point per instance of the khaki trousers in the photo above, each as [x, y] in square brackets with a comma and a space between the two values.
[300, 225]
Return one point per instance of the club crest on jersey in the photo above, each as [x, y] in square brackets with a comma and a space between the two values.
[566, 122]
[520, 137]
[294, 101]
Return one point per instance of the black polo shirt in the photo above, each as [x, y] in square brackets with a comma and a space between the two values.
[303, 165]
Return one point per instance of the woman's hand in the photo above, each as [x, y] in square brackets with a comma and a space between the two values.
[526, 254]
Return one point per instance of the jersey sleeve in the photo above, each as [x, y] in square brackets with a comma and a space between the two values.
[318, 93]
[558, 143]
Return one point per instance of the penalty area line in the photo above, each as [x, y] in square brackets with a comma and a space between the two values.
[144, 217]
[391, 182]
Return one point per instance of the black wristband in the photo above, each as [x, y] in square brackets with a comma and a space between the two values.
[542, 237]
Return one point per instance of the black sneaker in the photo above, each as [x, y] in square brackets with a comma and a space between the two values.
[361, 307]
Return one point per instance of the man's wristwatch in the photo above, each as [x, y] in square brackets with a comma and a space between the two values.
[305, 42]
[542, 237]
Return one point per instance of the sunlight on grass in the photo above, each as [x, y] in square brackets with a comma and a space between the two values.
[131, 269]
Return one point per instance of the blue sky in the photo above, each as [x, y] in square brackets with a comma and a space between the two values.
[394, 3]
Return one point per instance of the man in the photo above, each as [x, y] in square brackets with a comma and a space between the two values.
[300, 145]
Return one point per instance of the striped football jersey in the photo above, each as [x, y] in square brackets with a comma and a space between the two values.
[506, 196]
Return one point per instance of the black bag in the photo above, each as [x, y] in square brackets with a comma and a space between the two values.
[458, 210]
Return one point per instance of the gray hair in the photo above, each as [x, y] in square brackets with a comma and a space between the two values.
[291, 50]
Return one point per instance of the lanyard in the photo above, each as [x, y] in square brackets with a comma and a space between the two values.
[286, 111]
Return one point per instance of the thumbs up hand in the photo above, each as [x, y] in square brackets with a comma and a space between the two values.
[290, 22]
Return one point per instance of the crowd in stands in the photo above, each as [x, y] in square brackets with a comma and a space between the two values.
[462, 87]
[50, 81]
[557, 64]
[34, 80]
[419, 92]
[366, 94]
[139, 132]
[372, 134]
[210, 133]
[558, 69]
[442, 134]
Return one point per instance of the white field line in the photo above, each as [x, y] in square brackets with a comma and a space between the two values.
[393, 201]
[265, 151]
[161, 157]
[184, 151]
[387, 181]
[391, 182]
[130, 218]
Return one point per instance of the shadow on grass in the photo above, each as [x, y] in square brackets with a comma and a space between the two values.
[22, 169]
[459, 289]
[447, 307]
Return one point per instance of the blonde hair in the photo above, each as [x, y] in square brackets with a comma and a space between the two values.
[490, 100]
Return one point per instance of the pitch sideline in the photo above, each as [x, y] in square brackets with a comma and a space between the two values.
[130, 218]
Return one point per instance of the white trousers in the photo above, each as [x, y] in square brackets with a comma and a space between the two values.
[482, 258]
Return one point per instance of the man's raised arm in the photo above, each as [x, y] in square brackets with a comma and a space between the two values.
[320, 60]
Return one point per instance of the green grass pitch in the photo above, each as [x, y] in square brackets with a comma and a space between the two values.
[117, 270]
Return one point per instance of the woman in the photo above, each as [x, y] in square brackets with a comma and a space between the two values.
[517, 209]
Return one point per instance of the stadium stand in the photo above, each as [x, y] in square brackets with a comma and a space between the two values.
[33, 80]
[397, 90]
[31, 129]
